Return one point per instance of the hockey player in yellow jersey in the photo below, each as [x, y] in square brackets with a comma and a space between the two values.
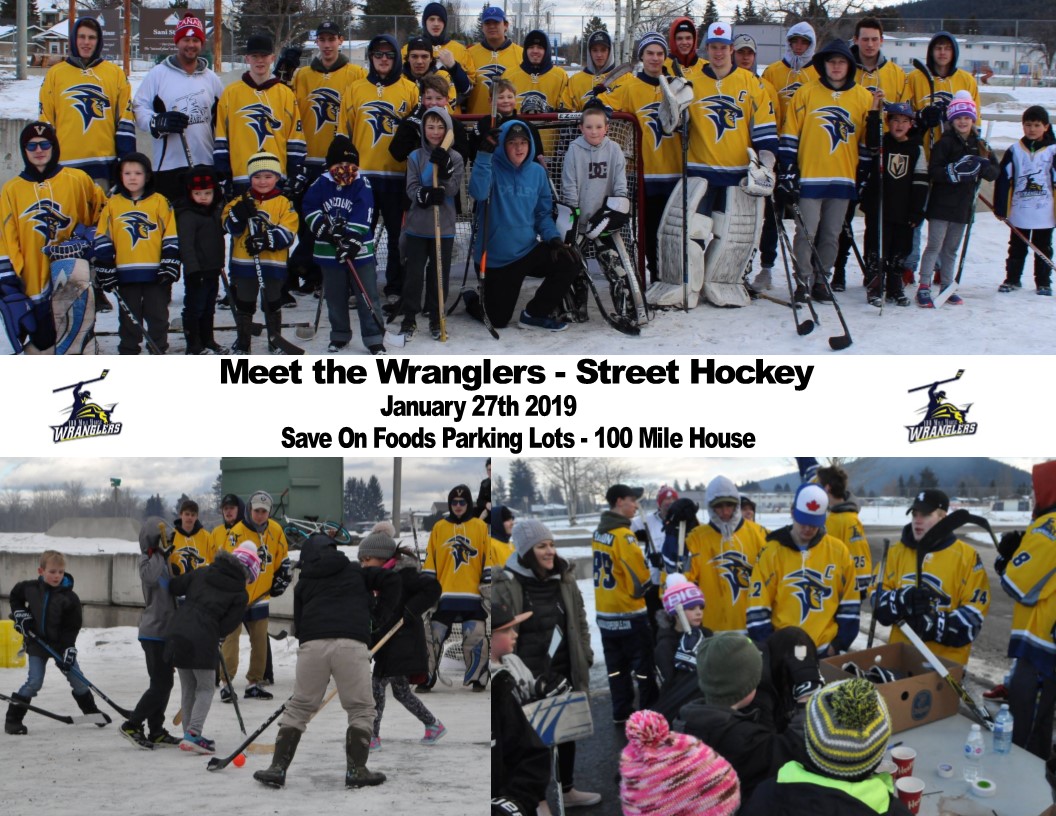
[455, 556]
[843, 523]
[682, 43]
[264, 533]
[418, 63]
[492, 57]
[448, 56]
[946, 79]
[539, 83]
[192, 544]
[89, 102]
[47, 213]
[232, 511]
[1027, 565]
[823, 137]
[795, 69]
[934, 582]
[621, 580]
[805, 578]
[721, 556]
[258, 113]
[583, 86]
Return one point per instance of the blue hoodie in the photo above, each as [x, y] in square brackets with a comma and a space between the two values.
[520, 210]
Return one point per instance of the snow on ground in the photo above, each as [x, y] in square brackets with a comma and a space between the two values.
[61, 769]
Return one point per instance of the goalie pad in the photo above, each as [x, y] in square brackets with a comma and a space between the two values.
[735, 233]
[677, 96]
[73, 306]
[667, 289]
[612, 216]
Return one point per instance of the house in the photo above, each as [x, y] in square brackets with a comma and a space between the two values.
[8, 42]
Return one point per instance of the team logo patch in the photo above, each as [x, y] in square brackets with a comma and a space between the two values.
[188, 559]
[939, 599]
[942, 418]
[809, 589]
[261, 121]
[326, 102]
[790, 90]
[1031, 188]
[897, 165]
[723, 113]
[837, 123]
[490, 72]
[1048, 529]
[462, 550]
[383, 119]
[533, 102]
[47, 218]
[86, 419]
[89, 101]
[138, 226]
[651, 113]
[734, 569]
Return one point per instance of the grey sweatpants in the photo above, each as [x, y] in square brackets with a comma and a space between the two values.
[822, 222]
[196, 697]
[944, 239]
[348, 662]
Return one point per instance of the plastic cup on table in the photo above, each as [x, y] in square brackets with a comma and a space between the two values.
[903, 758]
[909, 790]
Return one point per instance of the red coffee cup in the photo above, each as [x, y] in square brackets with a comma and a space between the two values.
[909, 790]
[903, 758]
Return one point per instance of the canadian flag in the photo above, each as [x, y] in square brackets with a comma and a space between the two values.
[719, 31]
[812, 505]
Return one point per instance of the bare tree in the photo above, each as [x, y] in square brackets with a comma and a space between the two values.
[828, 18]
[573, 476]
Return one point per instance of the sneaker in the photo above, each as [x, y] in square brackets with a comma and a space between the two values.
[433, 733]
[376, 349]
[762, 280]
[1008, 286]
[196, 743]
[408, 327]
[223, 304]
[336, 346]
[955, 299]
[546, 323]
[375, 743]
[800, 295]
[1045, 291]
[163, 737]
[225, 691]
[576, 798]
[839, 281]
[998, 693]
[924, 300]
[434, 327]
[255, 692]
[135, 735]
[288, 301]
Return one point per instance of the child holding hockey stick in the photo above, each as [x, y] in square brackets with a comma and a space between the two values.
[1028, 206]
[202, 251]
[505, 96]
[49, 608]
[679, 635]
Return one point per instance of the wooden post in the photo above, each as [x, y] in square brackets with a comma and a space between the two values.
[72, 18]
[218, 36]
[126, 39]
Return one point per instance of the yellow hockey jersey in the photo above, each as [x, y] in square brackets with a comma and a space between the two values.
[251, 119]
[35, 214]
[539, 93]
[319, 95]
[786, 82]
[580, 85]
[888, 77]
[955, 575]
[918, 94]
[91, 110]
[371, 113]
[723, 571]
[489, 65]
[621, 575]
[459, 52]
[1029, 580]
[139, 234]
[824, 132]
[455, 556]
[728, 116]
[273, 551]
[189, 552]
[813, 589]
[280, 216]
[223, 537]
[845, 525]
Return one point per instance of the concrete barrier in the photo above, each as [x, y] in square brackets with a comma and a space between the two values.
[122, 528]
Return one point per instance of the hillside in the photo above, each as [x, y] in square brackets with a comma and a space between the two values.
[963, 10]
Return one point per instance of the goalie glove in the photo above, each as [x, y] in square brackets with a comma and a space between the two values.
[613, 215]
[966, 168]
[72, 248]
[677, 97]
[760, 180]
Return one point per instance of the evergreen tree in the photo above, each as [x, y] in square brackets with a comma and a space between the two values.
[498, 490]
[711, 14]
[522, 485]
[379, 16]
[353, 499]
[373, 500]
[737, 15]
[928, 478]
[750, 15]
[595, 23]
[176, 507]
[553, 494]
[218, 491]
[901, 486]
[155, 506]
[9, 11]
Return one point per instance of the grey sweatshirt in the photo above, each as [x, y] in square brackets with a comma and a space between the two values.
[420, 220]
[591, 174]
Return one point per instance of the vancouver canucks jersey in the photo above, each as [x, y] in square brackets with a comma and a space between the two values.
[34, 215]
[279, 217]
[1029, 580]
[252, 119]
[455, 556]
[189, 552]
[490, 64]
[91, 110]
[824, 132]
[955, 576]
[319, 95]
[138, 234]
[786, 81]
[371, 113]
[847, 527]
[723, 571]
[727, 117]
[620, 573]
[274, 553]
[813, 589]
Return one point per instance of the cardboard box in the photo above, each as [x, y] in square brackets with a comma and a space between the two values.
[921, 697]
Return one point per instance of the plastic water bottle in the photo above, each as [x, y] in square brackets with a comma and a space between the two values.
[973, 754]
[1003, 731]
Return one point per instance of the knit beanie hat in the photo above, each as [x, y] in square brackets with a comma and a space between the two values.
[536, 38]
[261, 162]
[377, 545]
[189, 26]
[246, 554]
[962, 104]
[460, 492]
[810, 505]
[651, 38]
[201, 177]
[681, 592]
[527, 533]
[341, 150]
[848, 727]
[419, 44]
[729, 668]
[38, 131]
[673, 774]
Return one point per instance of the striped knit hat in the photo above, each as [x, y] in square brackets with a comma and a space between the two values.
[673, 774]
[650, 38]
[847, 729]
[263, 162]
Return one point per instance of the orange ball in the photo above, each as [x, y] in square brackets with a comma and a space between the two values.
[239, 760]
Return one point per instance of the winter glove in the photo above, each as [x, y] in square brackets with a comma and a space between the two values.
[242, 211]
[430, 196]
[347, 246]
[912, 602]
[169, 271]
[69, 657]
[256, 242]
[931, 116]
[927, 626]
[788, 185]
[296, 184]
[24, 622]
[445, 167]
[489, 142]
[966, 168]
[560, 252]
[288, 63]
[281, 580]
[106, 277]
[1009, 543]
[162, 124]
[610, 218]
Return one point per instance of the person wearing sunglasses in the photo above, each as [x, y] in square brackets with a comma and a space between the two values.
[455, 556]
[48, 214]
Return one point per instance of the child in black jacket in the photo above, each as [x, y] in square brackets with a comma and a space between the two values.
[676, 647]
[202, 251]
[50, 610]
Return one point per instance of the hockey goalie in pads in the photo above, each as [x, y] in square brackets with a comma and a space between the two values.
[734, 235]
[677, 97]
[667, 290]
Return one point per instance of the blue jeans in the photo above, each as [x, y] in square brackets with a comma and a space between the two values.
[35, 681]
[338, 285]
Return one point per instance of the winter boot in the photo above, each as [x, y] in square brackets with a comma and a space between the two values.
[357, 748]
[192, 333]
[86, 703]
[273, 327]
[894, 292]
[873, 292]
[243, 333]
[205, 331]
[409, 326]
[15, 715]
[839, 279]
[580, 296]
[274, 776]
[819, 292]
[763, 279]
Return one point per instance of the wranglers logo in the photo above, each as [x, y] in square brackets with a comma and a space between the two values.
[89, 101]
[942, 418]
[87, 419]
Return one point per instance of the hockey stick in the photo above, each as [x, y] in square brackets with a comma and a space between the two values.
[920, 66]
[848, 231]
[94, 719]
[309, 331]
[151, 345]
[282, 635]
[878, 584]
[677, 68]
[256, 329]
[948, 292]
[124, 712]
[618, 321]
[277, 339]
[640, 306]
[86, 382]
[880, 216]
[219, 763]
[980, 712]
[1022, 237]
[805, 326]
[159, 107]
[465, 272]
[954, 378]
[397, 340]
[231, 688]
[484, 237]
[839, 342]
[448, 140]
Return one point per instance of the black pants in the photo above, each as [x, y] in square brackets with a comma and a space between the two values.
[504, 286]
[421, 270]
[1017, 256]
[151, 706]
[629, 660]
[388, 203]
[301, 263]
[1031, 700]
[768, 238]
[149, 302]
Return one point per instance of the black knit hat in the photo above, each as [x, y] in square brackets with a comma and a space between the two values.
[536, 38]
[341, 150]
[419, 44]
[460, 492]
[230, 500]
[35, 131]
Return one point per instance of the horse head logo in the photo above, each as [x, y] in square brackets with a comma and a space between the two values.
[810, 590]
[89, 101]
[462, 550]
[261, 121]
[47, 218]
[837, 123]
[383, 119]
[723, 113]
[326, 102]
[734, 568]
[138, 226]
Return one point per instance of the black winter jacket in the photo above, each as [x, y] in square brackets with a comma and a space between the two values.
[406, 654]
[215, 599]
[56, 613]
[201, 238]
[680, 686]
[774, 798]
[520, 765]
[954, 201]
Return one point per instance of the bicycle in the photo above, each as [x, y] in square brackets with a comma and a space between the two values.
[297, 531]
